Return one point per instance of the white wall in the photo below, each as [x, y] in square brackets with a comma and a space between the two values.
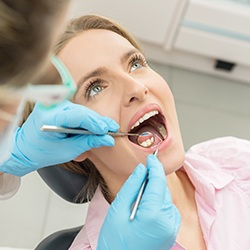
[208, 107]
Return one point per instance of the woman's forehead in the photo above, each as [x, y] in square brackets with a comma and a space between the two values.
[92, 49]
[96, 41]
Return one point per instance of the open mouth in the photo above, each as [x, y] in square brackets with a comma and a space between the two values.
[151, 129]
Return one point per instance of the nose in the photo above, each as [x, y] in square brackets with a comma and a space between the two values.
[135, 90]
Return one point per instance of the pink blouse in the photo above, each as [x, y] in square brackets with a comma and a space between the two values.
[220, 172]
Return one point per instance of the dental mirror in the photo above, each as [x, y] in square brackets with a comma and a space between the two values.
[145, 139]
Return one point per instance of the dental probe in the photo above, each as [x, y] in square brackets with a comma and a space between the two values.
[51, 128]
[139, 196]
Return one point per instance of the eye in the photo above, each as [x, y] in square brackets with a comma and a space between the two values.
[136, 66]
[94, 88]
[137, 61]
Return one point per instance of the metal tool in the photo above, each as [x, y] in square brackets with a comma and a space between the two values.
[139, 196]
[51, 128]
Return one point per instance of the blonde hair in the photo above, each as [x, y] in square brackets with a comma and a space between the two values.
[88, 22]
[87, 168]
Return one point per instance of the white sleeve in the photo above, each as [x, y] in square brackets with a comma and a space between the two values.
[9, 184]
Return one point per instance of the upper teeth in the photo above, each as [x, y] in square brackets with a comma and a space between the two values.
[144, 118]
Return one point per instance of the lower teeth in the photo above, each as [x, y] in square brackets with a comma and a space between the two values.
[146, 139]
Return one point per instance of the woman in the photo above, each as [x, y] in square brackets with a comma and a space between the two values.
[209, 185]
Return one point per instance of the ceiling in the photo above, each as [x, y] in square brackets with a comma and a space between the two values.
[210, 36]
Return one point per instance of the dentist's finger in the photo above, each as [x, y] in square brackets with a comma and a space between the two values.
[93, 141]
[82, 117]
[155, 190]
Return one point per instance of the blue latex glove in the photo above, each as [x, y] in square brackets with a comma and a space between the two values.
[157, 220]
[34, 149]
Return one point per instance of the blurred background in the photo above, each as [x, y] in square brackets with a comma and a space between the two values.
[202, 49]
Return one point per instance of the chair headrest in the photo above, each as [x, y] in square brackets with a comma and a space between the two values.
[63, 182]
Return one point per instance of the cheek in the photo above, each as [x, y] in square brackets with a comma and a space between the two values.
[158, 85]
[164, 90]
[106, 104]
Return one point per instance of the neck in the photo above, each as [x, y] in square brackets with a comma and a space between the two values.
[182, 191]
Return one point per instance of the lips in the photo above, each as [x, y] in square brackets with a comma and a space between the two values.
[150, 124]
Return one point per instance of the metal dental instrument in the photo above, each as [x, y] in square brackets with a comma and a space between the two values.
[50, 128]
[139, 196]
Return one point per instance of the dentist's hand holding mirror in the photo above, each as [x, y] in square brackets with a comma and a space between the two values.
[34, 149]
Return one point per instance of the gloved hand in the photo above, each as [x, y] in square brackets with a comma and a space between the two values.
[157, 220]
[34, 149]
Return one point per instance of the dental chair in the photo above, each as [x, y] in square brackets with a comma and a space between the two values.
[67, 185]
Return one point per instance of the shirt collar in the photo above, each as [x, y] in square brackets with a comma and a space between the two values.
[96, 216]
[205, 174]
[207, 178]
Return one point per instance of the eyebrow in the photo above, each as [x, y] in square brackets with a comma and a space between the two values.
[127, 55]
[95, 73]
[102, 70]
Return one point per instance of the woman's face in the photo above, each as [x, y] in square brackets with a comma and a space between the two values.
[114, 79]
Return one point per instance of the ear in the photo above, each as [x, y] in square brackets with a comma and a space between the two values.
[82, 156]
